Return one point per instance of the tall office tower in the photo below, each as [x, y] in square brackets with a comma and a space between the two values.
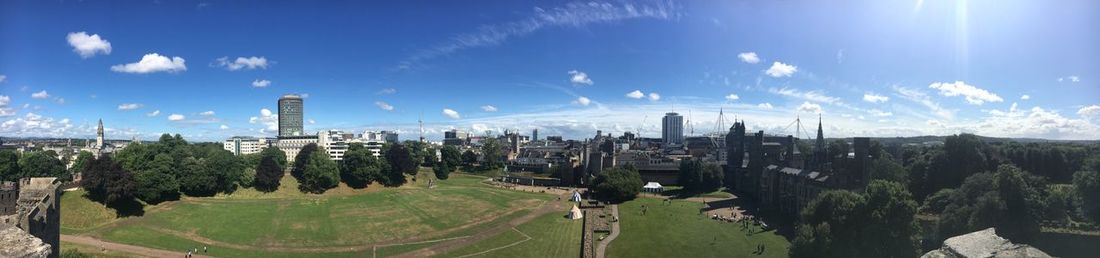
[672, 128]
[290, 115]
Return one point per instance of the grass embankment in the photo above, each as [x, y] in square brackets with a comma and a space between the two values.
[285, 223]
[677, 230]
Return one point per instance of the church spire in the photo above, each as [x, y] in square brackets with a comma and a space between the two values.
[820, 144]
[99, 135]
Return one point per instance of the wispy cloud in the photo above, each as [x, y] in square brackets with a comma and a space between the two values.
[488, 108]
[387, 91]
[261, 83]
[973, 95]
[383, 105]
[245, 63]
[451, 113]
[577, 14]
[129, 106]
[748, 57]
[781, 70]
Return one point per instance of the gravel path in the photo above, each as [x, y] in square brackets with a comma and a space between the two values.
[602, 248]
[138, 250]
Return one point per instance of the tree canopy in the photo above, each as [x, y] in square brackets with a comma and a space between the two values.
[876, 223]
[319, 173]
[268, 174]
[618, 184]
[360, 167]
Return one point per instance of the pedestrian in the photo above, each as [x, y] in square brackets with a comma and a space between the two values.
[204, 249]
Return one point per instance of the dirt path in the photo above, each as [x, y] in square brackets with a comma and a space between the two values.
[602, 248]
[138, 250]
[547, 207]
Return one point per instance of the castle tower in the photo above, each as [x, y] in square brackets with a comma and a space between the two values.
[99, 135]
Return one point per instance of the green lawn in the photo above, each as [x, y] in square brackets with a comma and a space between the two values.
[551, 235]
[677, 230]
[286, 223]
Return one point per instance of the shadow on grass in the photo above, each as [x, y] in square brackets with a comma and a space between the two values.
[123, 208]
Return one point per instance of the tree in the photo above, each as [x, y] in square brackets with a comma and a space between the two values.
[442, 170]
[78, 165]
[360, 167]
[319, 173]
[876, 223]
[469, 159]
[268, 174]
[401, 159]
[278, 155]
[1008, 199]
[226, 169]
[1086, 184]
[618, 184]
[107, 182]
[451, 156]
[195, 180]
[154, 187]
[9, 166]
[300, 160]
[492, 154]
[885, 168]
[697, 177]
[42, 164]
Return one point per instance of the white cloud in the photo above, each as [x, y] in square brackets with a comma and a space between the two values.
[3, 78]
[311, 121]
[1025, 97]
[1089, 112]
[59, 100]
[268, 119]
[451, 113]
[129, 106]
[383, 105]
[154, 113]
[207, 113]
[247, 63]
[748, 57]
[934, 122]
[489, 108]
[261, 83]
[875, 98]
[732, 97]
[223, 127]
[810, 108]
[578, 77]
[40, 95]
[636, 94]
[973, 95]
[576, 15]
[583, 101]
[764, 105]
[840, 56]
[32, 124]
[88, 45]
[5, 110]
[151, 63]
[781, 70]
[654, 96]
[176, 117]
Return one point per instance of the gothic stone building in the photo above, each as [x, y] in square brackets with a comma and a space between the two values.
[771, 170]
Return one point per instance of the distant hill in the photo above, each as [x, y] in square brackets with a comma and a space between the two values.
[933, 138]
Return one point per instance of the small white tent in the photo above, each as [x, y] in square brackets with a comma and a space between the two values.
[575, 213]
[576, 197]
[653, 187]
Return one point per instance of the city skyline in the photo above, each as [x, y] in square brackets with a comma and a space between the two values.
[564, 68]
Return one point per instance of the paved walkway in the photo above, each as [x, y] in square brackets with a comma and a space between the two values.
[139, 250]
[602, 248]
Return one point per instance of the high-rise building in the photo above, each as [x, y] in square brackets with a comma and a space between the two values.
[672, 128]
[290, 115]
[535, 135]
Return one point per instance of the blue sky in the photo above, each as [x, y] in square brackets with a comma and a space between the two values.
[208, 69]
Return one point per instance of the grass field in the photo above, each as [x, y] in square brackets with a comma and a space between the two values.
[677, 230]
[341, 223]
[551, 235]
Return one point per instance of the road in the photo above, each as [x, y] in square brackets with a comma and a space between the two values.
[138, 250]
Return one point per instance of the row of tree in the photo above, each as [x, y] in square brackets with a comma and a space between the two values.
[33, 164]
